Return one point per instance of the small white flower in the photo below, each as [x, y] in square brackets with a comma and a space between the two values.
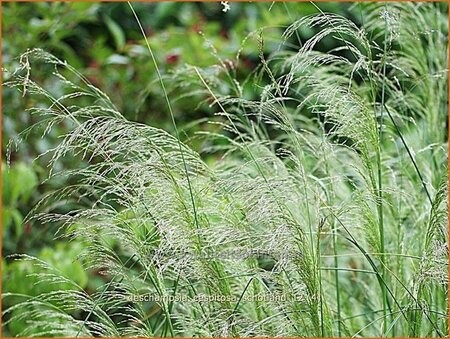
[226, 6]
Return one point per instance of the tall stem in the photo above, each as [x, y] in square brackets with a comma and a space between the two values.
[379, 165]
[336, 278]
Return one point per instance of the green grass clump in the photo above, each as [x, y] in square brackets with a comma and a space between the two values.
[325, 214]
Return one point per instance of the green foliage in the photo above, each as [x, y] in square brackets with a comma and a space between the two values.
[18, 184]
[322, 179]
[24, 281]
